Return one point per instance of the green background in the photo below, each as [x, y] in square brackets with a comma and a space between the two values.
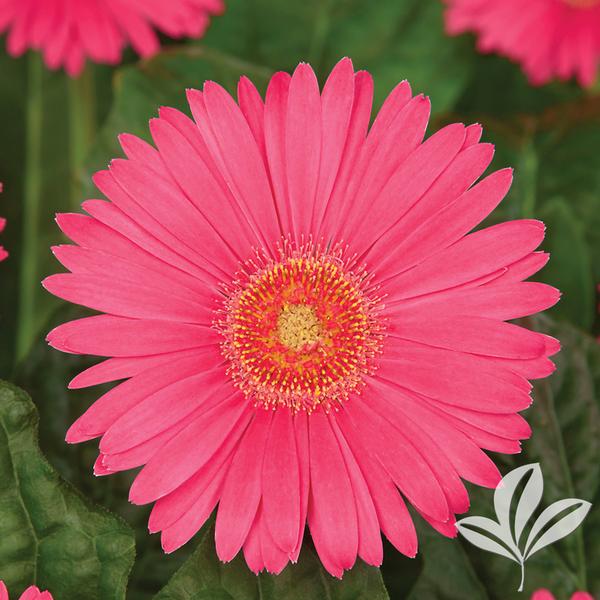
[51, 534]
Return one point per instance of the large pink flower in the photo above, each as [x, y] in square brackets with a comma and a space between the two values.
[31, 593]
[549, 38]
[308, 330]
[3, 252]
[69, 31]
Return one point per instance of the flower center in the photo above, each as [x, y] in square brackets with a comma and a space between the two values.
[298, 326]
[582, 3]
[301, 331]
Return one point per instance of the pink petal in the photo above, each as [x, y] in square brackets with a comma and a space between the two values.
[331, 509]
[188, 451]
[242, 489]
[281, 482]
[370, 548]
[106, 335]
[394, 518]
[303, 139]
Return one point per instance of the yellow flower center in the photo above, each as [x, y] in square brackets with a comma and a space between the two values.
[298, 326]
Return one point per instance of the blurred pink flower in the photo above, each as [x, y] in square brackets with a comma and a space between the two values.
[544, 594]
[3, 252]
[69, 31]
[549, 38]
[31, 593]
[308, 330]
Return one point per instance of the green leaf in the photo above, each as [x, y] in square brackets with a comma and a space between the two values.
[50, 535]
[204, 577]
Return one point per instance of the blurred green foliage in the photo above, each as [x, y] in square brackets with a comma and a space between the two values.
[551, 135]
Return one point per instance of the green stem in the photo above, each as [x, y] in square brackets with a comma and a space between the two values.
[31, 206]
[528, 172]
[82, 127]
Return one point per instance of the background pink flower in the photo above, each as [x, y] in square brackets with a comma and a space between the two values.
[31, 593]
[307, 329]
[3, 252]
[69, 31]
[549, 38]
[548, 595]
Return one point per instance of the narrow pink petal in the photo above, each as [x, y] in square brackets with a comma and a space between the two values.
[242, 489]
[524, 268]
[213, 138]
[370, 548]
[450, 224]
[114, 369]
[123, 298]
[31, 593]
[331, 509]
[303, 139]
[380, 159]
[106, 335]
[252, 549]
[394, 518]
[476, 335]
[337, 104]
[509, 426]
[473, 136]
[165, 408]
[496, 300]
[302, 449]
[275, 117]
[379, 400]
[141, 151]
[357, 133]
[468, 460]
[380, 206]
[203, 191]
[401, 459]
[281, 482]
[275, 558]
[446, 528]
[182, 531]
[495, 247]
[253, 109]
[116, 402]
[170, 508]
[447, 376]
[460, 174]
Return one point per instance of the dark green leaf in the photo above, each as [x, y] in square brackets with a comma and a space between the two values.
[49, 534]
[204, 577]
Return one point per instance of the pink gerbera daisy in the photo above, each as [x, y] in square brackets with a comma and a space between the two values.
[69, 31]
[3, 252]
[308, 330]
[31, 593]
[549, 38]
[548, 595]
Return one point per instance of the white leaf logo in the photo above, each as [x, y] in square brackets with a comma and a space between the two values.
[504, 537]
